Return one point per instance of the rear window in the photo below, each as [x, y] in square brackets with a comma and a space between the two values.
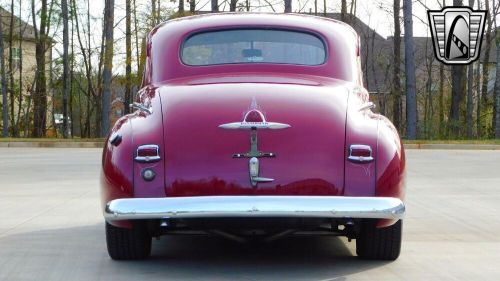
[244, 46]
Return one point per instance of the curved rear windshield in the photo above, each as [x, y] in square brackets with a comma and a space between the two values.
[253, 46]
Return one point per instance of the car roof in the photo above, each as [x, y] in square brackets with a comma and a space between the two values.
[230, 19]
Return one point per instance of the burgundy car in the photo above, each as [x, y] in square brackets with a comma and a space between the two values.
[253, 127]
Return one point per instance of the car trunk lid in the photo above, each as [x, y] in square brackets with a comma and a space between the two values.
[201, 156]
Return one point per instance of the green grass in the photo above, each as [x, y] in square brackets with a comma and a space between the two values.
[48, 140]
[490, 141]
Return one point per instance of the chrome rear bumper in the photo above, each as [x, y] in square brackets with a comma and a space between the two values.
[255, 206]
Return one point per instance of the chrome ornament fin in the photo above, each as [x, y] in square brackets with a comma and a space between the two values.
[141, 107]
[253, 165]
[254, 125]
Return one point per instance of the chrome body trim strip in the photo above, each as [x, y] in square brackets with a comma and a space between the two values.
[255, 206]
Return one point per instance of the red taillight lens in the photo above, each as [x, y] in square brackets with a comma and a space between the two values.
[148, 153]
[361, 152]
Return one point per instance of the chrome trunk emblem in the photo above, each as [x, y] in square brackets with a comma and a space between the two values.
[254, 119]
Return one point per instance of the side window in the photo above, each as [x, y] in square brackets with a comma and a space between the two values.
[16, 57]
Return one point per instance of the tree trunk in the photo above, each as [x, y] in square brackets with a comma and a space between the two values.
[137, 53]
[288, 6]
[496, 120]
[40, 93]
[108, 66]
[65, 78]
[192, 6]
[232, 5]
[343, 11]
[153, 13]
[352, 13]
[324, 8]
[181, 7]
[457, 93]
[158, 10]
[496, 104]
[71, 72]
[5, 113]
[470, 81]
[11, 68]
[411, 95]
[396, 80]
[19, 105]
[128, 59]
[483, 103]
[215, 6]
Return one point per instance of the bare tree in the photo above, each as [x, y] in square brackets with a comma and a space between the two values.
[40, 93]
[72, 69]
[192, 6]
[108, 65]
[136, 33]
[128, 59]
[396, 80]
[11, 67]
[352, 12]
[232, 5]
[20, 103]
[496, 120]
[496, 106]
[441, 95]
[483, 101]
[215, 6]
[411, 95]
[65, 78]
[288, 6]
[457, 92]
[343, 11]
[470, 81]
[181, 7]
[5, 112]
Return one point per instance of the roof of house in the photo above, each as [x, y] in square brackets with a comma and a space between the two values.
[28, 31]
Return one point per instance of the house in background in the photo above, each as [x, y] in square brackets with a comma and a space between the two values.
[23, 65]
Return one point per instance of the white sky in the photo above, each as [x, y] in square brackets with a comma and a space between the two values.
[377, 14]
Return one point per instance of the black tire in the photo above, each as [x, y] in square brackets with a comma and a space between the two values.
[128, 244]
[379, 243]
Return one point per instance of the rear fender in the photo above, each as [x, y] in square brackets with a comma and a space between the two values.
[147, 128]
[117, 167]
[361, 128]
[391, 165]
[121, 175]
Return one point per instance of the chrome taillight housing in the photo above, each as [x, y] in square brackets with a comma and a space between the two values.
[148, 153]
[360, 153]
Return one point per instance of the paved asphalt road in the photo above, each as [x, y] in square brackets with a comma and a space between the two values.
[51, 228]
